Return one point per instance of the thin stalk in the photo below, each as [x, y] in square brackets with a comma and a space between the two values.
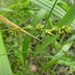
[51, 11]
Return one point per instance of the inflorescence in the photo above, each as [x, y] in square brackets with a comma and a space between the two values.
[54, 30]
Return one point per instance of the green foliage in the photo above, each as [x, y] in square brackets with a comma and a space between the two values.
[52, 21]
[4, 63]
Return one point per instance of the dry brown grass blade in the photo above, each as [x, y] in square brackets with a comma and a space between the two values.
[5, 20]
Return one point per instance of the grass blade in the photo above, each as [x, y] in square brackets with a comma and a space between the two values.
[48, 41]
[68, 18]
[72, 38]
[27, 38]
[6, 9]
[47, 5]
[59, 54]
[4, 62]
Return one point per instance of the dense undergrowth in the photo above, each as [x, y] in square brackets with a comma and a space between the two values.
[52, 22]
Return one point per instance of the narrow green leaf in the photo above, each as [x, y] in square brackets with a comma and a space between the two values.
[38, 17]
[4, 62]
[25, 47]
[48, 41]
[27, 38]
[72, 38]
[47, 5]
[50, 14]
[59, 54]
[68, 18]
[5, 9]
